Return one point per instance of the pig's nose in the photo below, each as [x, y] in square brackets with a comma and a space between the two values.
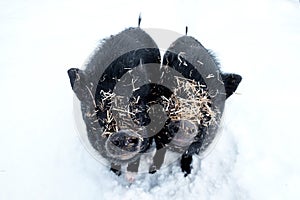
[124, 144]
[185, 132]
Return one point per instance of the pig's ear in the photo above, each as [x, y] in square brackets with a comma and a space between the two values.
[73, 75]
[77, 80]
[231, 82]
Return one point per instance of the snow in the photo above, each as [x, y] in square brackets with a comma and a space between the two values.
[41, 155]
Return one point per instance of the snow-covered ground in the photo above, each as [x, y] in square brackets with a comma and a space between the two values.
[257, 155]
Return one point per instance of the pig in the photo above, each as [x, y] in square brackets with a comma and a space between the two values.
[115, 56]
[193, 137]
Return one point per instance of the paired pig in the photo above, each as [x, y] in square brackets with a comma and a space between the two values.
[132, 99]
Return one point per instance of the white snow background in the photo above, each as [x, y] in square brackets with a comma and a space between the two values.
[41, 155]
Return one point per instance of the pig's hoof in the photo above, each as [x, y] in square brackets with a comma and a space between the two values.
[130, 176]
[152, 169]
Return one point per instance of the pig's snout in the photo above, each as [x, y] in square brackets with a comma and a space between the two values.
[123, 145]
[185, 133]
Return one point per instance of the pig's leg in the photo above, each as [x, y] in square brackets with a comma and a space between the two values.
[186, 164]
[116, 168]
[134, 166]
[158, 160]
[132, 170]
